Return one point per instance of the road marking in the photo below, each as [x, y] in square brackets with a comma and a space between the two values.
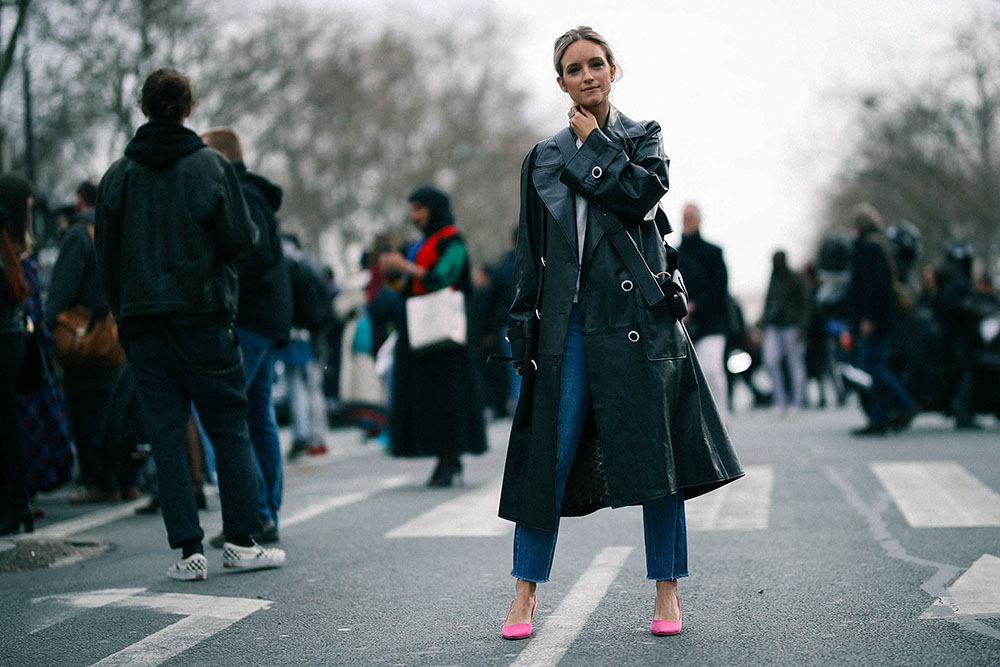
[87, 521]
[472, 514]
[975, 593]
[71, 605]
[562, 626]
[742, 505]
[204, 616]
[334, 502]
[938, 494]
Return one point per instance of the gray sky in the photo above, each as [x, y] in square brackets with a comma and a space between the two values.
[755, 97]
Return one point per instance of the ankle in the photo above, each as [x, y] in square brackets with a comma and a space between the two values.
[192, 547]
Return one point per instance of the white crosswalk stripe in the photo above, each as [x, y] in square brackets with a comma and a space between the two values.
[938, 494]
[472, 514]
[742, 505]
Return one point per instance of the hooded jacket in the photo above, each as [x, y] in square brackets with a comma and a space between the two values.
[265, 303]
[653, 429]
[171, 222]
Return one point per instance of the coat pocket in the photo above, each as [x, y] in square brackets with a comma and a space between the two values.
[662, 333]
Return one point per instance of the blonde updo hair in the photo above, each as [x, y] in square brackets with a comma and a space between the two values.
[575, 35]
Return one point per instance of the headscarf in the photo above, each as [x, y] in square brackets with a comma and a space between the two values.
[437, 203]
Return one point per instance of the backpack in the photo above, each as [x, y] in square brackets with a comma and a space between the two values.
[312, 307]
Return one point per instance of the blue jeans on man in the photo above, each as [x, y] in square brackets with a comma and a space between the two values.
[664, 526]
[258, 365]
[886, 391]
[174, 366]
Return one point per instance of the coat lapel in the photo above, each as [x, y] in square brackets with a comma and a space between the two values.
[558, 200]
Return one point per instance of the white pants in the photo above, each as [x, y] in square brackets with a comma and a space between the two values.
[711, 351]
[786, 344]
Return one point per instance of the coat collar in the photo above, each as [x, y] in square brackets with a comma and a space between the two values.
[558, 197]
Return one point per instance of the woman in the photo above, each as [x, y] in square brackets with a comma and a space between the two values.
[15, 214]
[435, 407]
[610, 413]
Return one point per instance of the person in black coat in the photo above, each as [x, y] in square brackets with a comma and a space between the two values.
[873, 305]
[263, 323]
[171, 223]
[707, 281]
[611, 412]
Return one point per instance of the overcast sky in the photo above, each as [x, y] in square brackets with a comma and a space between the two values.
[755, 97]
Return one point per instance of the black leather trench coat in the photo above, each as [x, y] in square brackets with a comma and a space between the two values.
[653, 428]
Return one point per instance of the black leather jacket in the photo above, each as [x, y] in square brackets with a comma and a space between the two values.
[170, 223]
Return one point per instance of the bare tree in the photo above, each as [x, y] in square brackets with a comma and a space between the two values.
[930, 155]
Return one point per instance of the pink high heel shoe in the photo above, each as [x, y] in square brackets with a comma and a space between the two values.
[664, 628]
[519, 630]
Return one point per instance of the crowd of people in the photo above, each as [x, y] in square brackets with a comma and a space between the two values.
[177, 303]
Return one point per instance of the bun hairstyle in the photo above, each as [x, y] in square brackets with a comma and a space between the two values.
[166, 96]
[575, 35]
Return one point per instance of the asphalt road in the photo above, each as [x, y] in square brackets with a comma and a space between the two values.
[832, 550]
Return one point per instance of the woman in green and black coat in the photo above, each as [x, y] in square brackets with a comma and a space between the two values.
[435, 407]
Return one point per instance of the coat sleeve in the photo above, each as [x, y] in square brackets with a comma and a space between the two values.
[602, 172]
[527, 262]
[107, 236]
[67, 273]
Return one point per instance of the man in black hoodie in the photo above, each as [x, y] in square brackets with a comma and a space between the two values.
[171, 223]
[263, 323]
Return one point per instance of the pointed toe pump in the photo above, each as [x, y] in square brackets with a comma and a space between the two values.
[519, 630]
[665, 628]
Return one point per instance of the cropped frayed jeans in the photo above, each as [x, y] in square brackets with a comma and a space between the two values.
[664, 526]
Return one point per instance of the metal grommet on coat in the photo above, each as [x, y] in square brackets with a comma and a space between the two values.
[534, 365]
[627, 285]
[543, 262]
[538, 315]
[633, 336]
[596, 172]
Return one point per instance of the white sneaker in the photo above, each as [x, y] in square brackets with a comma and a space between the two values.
[192, 568]
[251, 558]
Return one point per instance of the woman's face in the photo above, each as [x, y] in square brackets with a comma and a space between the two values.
[586, 73]
[420, 215]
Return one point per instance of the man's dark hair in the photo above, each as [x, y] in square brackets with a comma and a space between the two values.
[87, 191]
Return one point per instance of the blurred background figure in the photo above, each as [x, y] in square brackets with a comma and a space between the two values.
[707, 280]
[873, 306]
[15, 240]
[786, 312]
[435, 405]
[75, 283]
[312, 312]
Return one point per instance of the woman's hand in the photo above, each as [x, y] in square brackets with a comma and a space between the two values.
[582, 121]
[394, 261]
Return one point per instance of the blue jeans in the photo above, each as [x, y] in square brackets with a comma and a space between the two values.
[873, 355]
[258, 365]
[175, 366]
[664, 528]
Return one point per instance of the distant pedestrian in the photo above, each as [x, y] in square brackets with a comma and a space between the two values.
[610, 412]
[707, 280]
[873, 306]
[435, 409]
[16, 199]
[786, 312]
[171, 223]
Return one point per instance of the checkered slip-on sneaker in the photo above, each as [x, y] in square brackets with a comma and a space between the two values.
[251, 558]
[192, 568]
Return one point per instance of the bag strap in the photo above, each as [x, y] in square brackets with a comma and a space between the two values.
[623, 242]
